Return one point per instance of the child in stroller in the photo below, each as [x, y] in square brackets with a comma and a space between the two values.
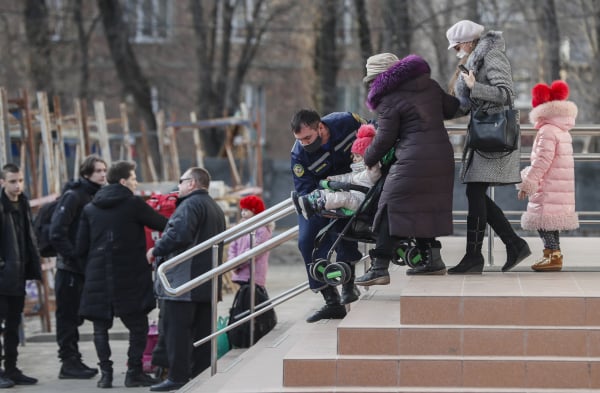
[346, 202]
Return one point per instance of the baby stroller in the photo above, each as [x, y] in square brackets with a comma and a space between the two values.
[357, 228]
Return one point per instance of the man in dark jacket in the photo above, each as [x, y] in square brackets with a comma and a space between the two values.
[69, 275]
[19, 261]
[321, 149]
[118, 280]
[188, 317]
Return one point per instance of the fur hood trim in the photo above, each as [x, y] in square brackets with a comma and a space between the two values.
[406, 69]
[492, 40]
[565, 110]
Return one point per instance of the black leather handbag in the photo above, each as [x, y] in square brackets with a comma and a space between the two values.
[494, 132]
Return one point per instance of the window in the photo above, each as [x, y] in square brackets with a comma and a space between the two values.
[56, 19]
[148, 19]
[243, 15]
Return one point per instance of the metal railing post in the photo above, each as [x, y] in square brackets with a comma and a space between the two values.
[252, 289]
[214, 311]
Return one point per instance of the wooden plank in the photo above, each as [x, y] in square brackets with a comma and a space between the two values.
[160, 135]
[174, 153]
[61, 159]
[197, 142]
[126, 132]
[5, 155]
[81, 144]
[30, 137]
[102, 129]
[146, 156]
[45, 127]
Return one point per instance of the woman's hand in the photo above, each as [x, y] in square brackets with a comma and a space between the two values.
[469, 78]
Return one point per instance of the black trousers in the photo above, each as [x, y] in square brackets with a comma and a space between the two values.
[11, 308]
[137, 324]
[184, 323]
[68, 287]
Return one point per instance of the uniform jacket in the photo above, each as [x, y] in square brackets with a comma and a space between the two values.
[492, 69]
[197, 218]
[241, 245]
[549, 181]
[334, 158]
[65, 221]
[112, 242]
[14, 267]
[411, 108]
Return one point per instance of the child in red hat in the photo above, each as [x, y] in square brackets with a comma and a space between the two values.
[250, 206]
[549, 181]
[319, 200]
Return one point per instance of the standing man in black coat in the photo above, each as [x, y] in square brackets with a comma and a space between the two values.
[118, 280]
[19, 261]
[69, 275]
[188, 317]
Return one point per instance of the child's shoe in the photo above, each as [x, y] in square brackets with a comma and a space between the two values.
[312, 203]
[550, 262]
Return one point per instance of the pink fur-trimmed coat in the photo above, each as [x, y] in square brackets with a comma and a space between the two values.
[549, 181]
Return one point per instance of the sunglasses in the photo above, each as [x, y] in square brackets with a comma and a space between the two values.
[182, 180]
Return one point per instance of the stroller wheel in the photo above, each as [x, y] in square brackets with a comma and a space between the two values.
[337, 273]
[413, 257]
[401, 254]
[317, 270]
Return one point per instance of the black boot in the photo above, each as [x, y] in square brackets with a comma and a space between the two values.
[472, 262]
[106, 378]
[350, 292]
[432, 264]
[378, 272]
[73, 368]
[332, 308]
[517, 248]
[136, 377]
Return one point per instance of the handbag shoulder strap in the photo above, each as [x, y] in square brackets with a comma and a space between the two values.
[508, 96]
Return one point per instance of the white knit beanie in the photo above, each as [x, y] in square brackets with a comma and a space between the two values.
[377, 64]
[463, 31]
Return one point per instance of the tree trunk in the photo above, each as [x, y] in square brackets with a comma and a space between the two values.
[128, 70]
[364, 31]
[38, 38]
[327, 59]
[549, 37]
[397, 21]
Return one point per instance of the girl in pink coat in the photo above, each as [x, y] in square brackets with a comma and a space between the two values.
[250, 206]
[549, 182]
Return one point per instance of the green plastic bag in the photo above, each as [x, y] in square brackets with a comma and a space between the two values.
[223, 345]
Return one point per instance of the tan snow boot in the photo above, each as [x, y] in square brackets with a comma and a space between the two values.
[551, 262]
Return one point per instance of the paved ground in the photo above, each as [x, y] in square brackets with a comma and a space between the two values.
[38, 357]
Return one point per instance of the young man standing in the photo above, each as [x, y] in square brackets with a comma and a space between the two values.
[19, 261]
[118, 280]
[69, 275]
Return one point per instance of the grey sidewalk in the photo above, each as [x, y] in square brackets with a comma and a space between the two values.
[38, 357]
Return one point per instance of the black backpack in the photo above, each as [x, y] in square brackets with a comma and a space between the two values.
[41, 227]
[263, 324]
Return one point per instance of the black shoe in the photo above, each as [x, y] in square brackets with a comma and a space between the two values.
[73, 368]
[6, 383]
[106, 379]
[166, 386]
[516, 252]
[350, 293]
[135, 378]
[373, 277]
[15, 375]
[328, 311]
[469, 264]
[85, 366]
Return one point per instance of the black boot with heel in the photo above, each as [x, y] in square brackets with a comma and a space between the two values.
[332, 309]
[517, 248]
[472, 262]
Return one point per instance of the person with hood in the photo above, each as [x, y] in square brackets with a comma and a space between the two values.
[416, 200]
[487, 83]
[69, 274]
[19, 261]
[118, 280]
[187, 318]
[549, 180]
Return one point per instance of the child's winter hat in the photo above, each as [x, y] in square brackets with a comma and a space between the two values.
[365, 135]
[542, 93]
[252, 203]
